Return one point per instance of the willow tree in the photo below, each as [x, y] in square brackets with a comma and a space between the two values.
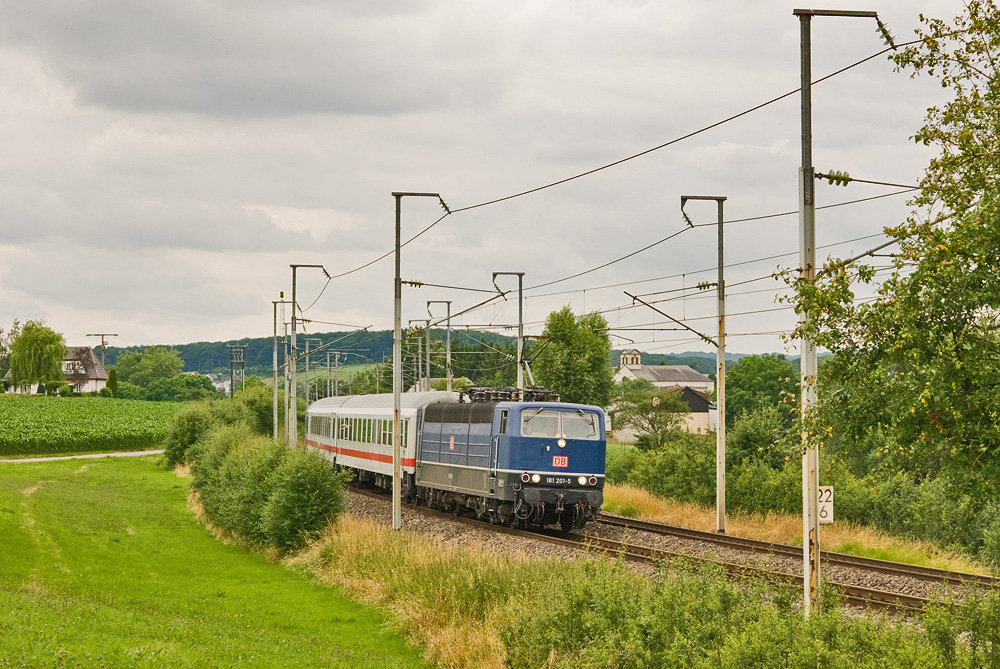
[916, 373]
[36, 355]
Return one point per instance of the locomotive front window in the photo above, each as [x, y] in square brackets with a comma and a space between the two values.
[540, 423]
[580, 425]
[544, 423]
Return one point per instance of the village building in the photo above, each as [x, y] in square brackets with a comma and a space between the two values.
[694, 387]
[82, 369]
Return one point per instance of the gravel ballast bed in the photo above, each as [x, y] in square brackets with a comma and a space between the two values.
[448, 532]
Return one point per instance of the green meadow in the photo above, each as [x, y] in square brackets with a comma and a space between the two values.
[103, 564]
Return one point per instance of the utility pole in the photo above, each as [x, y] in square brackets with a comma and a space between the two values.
[274, 362]
[102, 335]
[520, 322]
[397, 365]
[425, 382]
[720, 376]
[807, 274]
[447, 348]
[293, 427]
[308, 388]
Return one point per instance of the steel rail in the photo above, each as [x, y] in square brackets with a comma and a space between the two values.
[827, 557]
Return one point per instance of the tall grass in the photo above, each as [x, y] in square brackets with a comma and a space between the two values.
[840, 536]
[474, 608]
[450, 600]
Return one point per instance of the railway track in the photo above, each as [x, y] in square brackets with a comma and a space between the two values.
[827, 558]
[853, 594]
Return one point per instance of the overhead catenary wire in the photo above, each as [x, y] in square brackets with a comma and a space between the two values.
[619, 161]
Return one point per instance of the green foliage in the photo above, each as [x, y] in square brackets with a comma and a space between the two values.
[36, 355]
[182, 388]
[112, 384]
[235, 493]
[41, 425]
[654, 415]
[305, 494]
[962, 56]
[6, 341]
[757, 436]
[142, 369]
[761, 380]
[601, 614]
[620, 462]
[262, 491]
[258, 400]
[190, 425]
[683, 468]
[918, 365]
[575, 362]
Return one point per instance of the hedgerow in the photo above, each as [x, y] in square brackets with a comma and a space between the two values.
[50, 425]
[258, 489]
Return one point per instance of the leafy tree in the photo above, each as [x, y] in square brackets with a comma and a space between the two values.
[6, 341]
[756, 436]
[36, 355]
[760, 380]
[653, 415]
[575, 362]
[918, 366]
[181, 388]
[142, 369]
[113, 382]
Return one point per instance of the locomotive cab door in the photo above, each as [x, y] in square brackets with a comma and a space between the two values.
[499, 432]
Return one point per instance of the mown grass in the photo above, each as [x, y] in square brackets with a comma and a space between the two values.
[40, 425]
[839, 536]
[103, 564]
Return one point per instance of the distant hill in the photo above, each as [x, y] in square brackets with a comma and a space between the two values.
[374, 346]
[363, 347]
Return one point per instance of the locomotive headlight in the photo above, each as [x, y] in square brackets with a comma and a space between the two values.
[525, 477]
[535, 478]
[562, 443]
[593, 480]
[582, 480]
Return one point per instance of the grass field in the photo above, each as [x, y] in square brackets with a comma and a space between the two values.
[39, 425]
[103, 564]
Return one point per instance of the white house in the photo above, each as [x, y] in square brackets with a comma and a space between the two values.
[662, 376]
[82, 370]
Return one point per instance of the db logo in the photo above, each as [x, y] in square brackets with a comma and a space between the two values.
[560, 461]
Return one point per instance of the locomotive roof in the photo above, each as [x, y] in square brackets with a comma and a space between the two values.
[384, 400]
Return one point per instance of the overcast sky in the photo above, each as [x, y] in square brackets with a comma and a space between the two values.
[165, 162]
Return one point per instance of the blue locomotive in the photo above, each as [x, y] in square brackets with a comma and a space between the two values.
[506, 457]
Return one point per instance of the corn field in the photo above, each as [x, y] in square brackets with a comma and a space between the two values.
[47, 425]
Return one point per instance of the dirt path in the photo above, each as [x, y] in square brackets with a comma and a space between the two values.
[128, 454]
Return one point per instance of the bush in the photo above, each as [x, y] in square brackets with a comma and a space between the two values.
[189, 426]
[238, 490]
[757, 487]
[261, 491]
[620, 462]
[305, 494]
[258, 399]
[682, 469]
[603, 615]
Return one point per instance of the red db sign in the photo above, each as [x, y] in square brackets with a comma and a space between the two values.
[560, 461]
